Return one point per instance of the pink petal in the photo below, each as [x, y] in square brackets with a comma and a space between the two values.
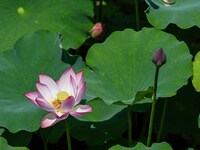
[68, 104]
[80, 93]
[44, 105]
[61, 117]
[50, 83]
[79, 78]
[44, 91]
[80, 110]
[49, 120]
[64, 81]
[74, 87]
[32, 96]
[58, 114]
[69, 72]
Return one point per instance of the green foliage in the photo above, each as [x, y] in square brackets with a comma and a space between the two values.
[140, 146]
[35, 54]
[183, 13]
[196, 72]
[181, 116]
[99, 133]
[21, 138]
[122, 65]
[117, 69]
[19, 18]
[101, 111]
[199, 121]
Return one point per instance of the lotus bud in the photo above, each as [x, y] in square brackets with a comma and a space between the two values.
[97, 30]
[159, 57]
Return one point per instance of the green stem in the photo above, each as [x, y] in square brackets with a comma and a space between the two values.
[153, 107]
[100, 10]
[44, 141]
[137, 15]
[197, 139]
[68, 135]
[144, 125]
[129, 117]
[162, 121]
[45, 145]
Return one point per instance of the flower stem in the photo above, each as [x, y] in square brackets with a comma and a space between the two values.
[129, 117]
[100, 10]
[45, 145]
[137, 14]
[162, 120]
[153, 107]
[44, 141]
[68, 135]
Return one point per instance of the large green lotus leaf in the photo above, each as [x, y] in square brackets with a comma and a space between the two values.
[101, 111]
[19, 69]
[67, 17]
[196, 72]
[183, 13]
[140, 146]
[4, 145]
[122, 66]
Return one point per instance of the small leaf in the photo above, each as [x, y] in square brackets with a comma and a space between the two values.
[196, 72]
[140, 146]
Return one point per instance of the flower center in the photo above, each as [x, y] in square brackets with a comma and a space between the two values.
[61, 97]
[56, 104]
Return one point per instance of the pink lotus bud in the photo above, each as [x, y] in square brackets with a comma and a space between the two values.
[159, 57]
[97, 30]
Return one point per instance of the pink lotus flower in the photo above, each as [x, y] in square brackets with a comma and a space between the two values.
[60, 97]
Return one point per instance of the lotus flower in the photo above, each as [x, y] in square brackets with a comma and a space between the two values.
[60, 98]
